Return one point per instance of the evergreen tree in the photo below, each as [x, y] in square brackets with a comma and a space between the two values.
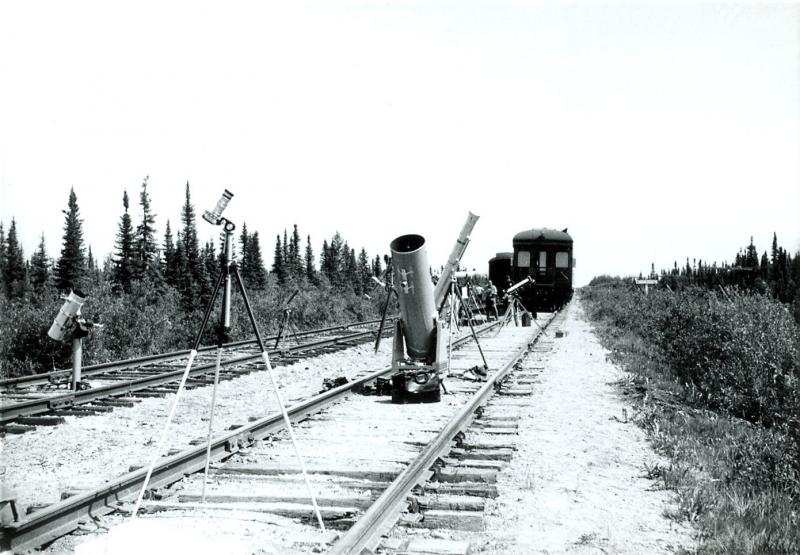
[95, 275]
[311, 272]
[324, 260]
[351, 277]
[14, 270]
[286, 257]
[278, 267]
[192, 283]
[124, 262]
[146, 249]
[295, 262]
[364, 270]
[377, 270]
[256, 273]
[171, 268]
[335, 260]
[40, 266]
[211, 263]
[71, 264]
[2, 256]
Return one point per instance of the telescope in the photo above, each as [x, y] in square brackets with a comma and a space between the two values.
[420, 349]
[214, 217]
[69, 311]
[522, 283]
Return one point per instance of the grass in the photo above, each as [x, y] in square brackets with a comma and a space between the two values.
[736, 480]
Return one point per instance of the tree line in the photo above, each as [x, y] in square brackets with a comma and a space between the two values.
[775, 273]
[179, 261]
[150, 292]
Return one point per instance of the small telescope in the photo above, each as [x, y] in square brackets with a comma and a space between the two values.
[215, 217]
[69, 311]
[522, 283]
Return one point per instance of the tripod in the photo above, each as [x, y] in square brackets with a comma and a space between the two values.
[287, 320]
[223, 332]
[515, 307]
[453, 302]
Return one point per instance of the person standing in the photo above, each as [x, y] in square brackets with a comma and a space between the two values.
[490, 299]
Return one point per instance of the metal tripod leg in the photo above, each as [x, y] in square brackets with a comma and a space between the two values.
[192, 355]
[286, 420]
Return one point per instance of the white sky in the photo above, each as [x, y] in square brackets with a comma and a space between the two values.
[654, 132]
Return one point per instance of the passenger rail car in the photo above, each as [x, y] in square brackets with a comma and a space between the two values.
[546, 256]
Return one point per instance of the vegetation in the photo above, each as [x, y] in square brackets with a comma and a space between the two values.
[717, 375]
[776, 274]
[151, 298]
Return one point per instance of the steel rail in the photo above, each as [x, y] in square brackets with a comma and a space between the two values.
[47, 404]
[92, 369]
[383, 513]
[61, 518]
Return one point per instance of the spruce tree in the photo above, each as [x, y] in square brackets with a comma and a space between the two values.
[256, 273]
[351, 277]
[71, 264]
[171, 267]
[311, 272]
[377, 270]
[2, 256]
[124, 261]
[286, 256]
[192, 272]
[40, 267]
[364, 270]
[146, 249]
[278, 267]
[296, 262]
[14, 270]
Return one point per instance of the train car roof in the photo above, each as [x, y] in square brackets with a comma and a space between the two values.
[542, 234]
[502, 256]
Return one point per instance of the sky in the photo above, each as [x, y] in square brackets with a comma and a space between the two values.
[653, 132]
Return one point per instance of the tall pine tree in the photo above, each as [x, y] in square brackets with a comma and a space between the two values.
[2, 256]
[256, 273]
[311, 271]
[71, 265]
[171, 267]
[14, 269]
[40, 267]
[148, 263]
[278, 267]
[124, 257]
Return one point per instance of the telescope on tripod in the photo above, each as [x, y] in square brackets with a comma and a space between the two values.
[227, 271]
[69, 324]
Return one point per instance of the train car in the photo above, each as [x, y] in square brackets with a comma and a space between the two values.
[499, 269]
[546, 256]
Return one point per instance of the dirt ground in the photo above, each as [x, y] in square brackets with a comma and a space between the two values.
[576, 484]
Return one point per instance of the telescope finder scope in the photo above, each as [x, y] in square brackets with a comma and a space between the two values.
[215, 217]
[69, 310]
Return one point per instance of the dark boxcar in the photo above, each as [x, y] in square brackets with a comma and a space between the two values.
[499, 269]
[500, 274]
[546, 256]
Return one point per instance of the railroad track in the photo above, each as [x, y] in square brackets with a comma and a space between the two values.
[123, 383]
[380, 464]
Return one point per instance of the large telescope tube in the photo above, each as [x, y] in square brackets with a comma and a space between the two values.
[414, 287]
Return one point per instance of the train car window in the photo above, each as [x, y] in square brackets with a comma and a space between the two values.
[523, 259]
[562, 259]
[542, 262]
